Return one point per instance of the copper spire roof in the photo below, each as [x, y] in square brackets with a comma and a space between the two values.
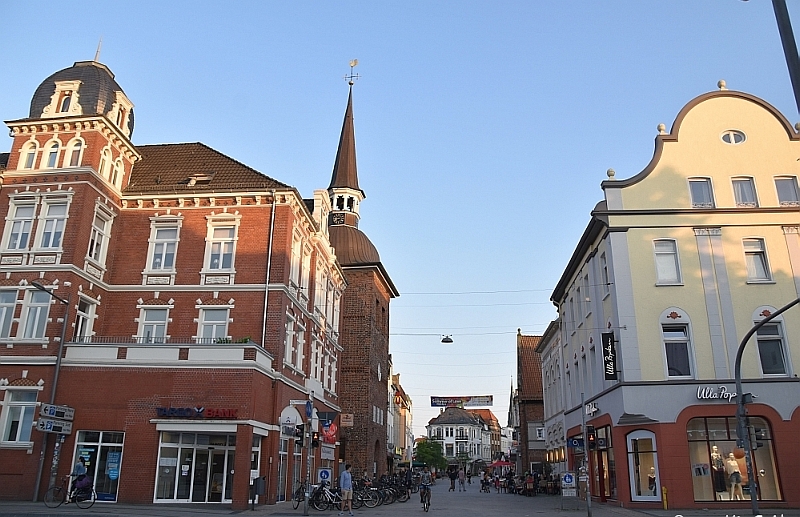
[345, 172]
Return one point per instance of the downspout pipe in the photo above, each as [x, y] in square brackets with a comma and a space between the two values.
[269, 266]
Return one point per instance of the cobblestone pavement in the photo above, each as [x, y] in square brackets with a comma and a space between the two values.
[470, 503]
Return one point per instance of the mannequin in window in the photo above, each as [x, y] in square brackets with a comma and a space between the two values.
[734, 476]
[651, 481]
[718, 464]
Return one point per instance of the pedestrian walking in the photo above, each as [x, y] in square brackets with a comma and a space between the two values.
[453, 475]
[461, 478]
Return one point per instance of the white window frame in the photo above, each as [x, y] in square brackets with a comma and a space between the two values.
[52, 150]
[71, 159]
[759, 254]
[16, 223]
[682, 321]
[702, 204]
[105, 163]
[604, 273]
[148, 323]
[117, 172]
[296, 259]
[35, 315]
[214, 222]
[321, 284]
[52, 225]
[779, 324]
[100, 236]
[288, 341]
[84, 319]
[163, 223]
[300, 342]
[638, 435]
[27, 157]
[7, 310]
[787, 202]
[658, 256]
[749, 181]
[6, 405]
[204, 324]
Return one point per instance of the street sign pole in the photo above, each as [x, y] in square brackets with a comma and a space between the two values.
[307, 440]
[586, 459]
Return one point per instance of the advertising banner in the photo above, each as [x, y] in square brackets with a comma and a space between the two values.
[609, 356]
[482, 400]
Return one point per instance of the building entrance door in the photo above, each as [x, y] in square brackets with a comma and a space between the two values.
[208, 480]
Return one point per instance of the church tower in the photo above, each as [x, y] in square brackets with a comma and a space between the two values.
[364, 330]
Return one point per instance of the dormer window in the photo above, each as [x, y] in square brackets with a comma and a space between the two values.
[733, 137]
[120, 117]
[200, 179]
[67, 97]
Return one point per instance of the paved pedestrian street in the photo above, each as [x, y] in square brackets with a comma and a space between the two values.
[471, 503]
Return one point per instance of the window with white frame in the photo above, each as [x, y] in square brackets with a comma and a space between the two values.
[18, 412]
[701, 193]
[153, 324]
[288, 341]
[164, 238]
[744, 192]
[297, 259]
[213, 324]
[36, 311]
[677, 350]
[299, 346]
[316, 359]
[105, 162]
[643, 466]
[117, 172]
[587, 302]
[755, 256]
[18, 227]
[787, 191]
[667, 264]
[337, 301]
[604, 273]
[332, 379]
[771, 349]
[8, 303]
[52, 219]
[321, 286]
[221, 245]
[51, 156]
[29, 151]
[84, 320]
[306, 272]
[75, 153]
[98, 239]
[578, 306]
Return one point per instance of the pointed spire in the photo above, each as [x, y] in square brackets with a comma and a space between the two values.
[345, 172]
[97, 53]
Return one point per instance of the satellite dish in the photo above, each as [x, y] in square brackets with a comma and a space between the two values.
[353, 62]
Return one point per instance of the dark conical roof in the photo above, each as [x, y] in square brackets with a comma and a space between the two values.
[353, 247]
[97, 91]
[345, 172]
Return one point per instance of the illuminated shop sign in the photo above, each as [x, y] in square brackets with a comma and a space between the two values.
[196, 412]
[609, 356]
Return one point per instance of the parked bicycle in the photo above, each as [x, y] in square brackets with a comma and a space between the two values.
[83, 496]
[299, 494]
[324, 498]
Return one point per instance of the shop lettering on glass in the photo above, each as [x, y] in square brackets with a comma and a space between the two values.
[710, 393]
[609, 356]
[196, 412]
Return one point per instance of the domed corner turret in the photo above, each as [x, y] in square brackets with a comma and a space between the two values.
[86, 88]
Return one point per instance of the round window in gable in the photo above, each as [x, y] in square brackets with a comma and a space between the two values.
[733, 137]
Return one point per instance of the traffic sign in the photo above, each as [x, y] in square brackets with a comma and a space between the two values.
[49, 425]
[309, 409]
[298, 402]
[324, 474]
[567, 480]
[60, 412]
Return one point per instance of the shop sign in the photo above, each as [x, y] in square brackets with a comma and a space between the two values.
[346, 419]
[574, 442]
[196, 412]
[112, 464]
[711, 393]
[609, 356]
[326, 452]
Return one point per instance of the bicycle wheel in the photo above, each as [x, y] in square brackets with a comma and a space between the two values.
[371, 499]
[55, 497]
[358, 500]
[85, 497]
[296, 499]
[427, 503]
[402, 495]
[319, 503]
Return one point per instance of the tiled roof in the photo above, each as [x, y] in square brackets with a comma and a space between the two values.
[529, 368]
[487, 416]
[4, 161]
[454, 415]
[193, 168]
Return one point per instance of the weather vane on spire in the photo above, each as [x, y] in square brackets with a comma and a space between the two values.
[352, 77]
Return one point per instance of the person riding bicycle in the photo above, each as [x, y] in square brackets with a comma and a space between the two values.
[425, 482]
[79, 473]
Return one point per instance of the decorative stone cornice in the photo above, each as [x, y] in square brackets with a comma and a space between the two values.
[791, 229]
[707, 231]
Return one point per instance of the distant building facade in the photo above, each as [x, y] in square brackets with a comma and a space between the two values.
[531, 449]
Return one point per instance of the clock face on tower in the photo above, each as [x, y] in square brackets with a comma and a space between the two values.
[337, 219]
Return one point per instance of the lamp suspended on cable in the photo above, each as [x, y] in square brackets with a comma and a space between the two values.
[447, 339]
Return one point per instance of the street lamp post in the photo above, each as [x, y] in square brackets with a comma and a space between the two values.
[45, 441]
[745, 398]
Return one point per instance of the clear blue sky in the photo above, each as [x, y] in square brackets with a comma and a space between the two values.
[483, 128]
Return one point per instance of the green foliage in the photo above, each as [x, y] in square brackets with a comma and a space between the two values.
[430, 453]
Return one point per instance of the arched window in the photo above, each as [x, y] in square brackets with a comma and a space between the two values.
[105, 161]
[52, 155]
[75, 154]
[29, 155]
[643, 466]
[116, 175]
[65, 102]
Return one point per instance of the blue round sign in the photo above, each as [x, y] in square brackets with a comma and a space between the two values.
[568, 479]
[309, 409]
[324, 474]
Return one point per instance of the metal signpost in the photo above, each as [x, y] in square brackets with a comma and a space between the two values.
[307, 439]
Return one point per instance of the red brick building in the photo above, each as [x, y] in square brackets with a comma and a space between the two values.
[197, 298]
[365, 368]
[530, 401]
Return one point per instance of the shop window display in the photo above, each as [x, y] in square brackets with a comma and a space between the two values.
[719, 471]
[643, 466]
